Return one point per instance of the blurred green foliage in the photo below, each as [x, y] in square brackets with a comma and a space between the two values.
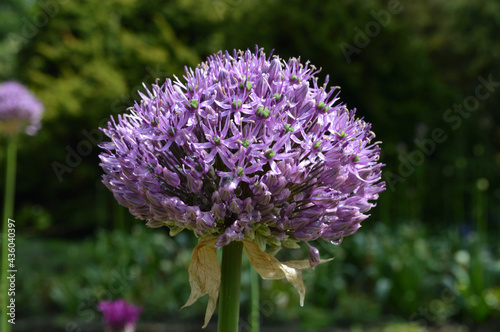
[401, 274]
[435, 227]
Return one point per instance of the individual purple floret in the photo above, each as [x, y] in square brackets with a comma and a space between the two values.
[119, 315]
[19, 109]
[245, 147]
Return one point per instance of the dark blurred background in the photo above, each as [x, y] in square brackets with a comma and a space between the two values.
[426, 74]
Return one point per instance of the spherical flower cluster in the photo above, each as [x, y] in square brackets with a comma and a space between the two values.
[119, 316]
[19, 109]
[245, 147]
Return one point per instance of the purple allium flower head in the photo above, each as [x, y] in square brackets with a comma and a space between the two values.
[19, 109]
[119, 315]
[245, 147]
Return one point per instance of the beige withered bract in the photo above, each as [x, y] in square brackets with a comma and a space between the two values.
[270, 268]
[205, 275]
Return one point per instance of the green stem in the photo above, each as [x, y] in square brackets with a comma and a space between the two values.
[8, 210]
[254, 310]
[229, 297]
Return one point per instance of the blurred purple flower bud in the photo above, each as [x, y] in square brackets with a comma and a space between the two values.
[19, 109]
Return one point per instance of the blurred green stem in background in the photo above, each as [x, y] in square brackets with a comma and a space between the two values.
[8, 210]
[254, 306]
[480, 208]
[229, 297]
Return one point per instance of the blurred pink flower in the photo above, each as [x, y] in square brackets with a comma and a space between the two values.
[119, 315]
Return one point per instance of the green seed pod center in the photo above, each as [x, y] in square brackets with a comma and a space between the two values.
[322, 106]
[193, 103]
[294, 78]
[236, 104]
[263, 112]
[270, 153]
[249, 86]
